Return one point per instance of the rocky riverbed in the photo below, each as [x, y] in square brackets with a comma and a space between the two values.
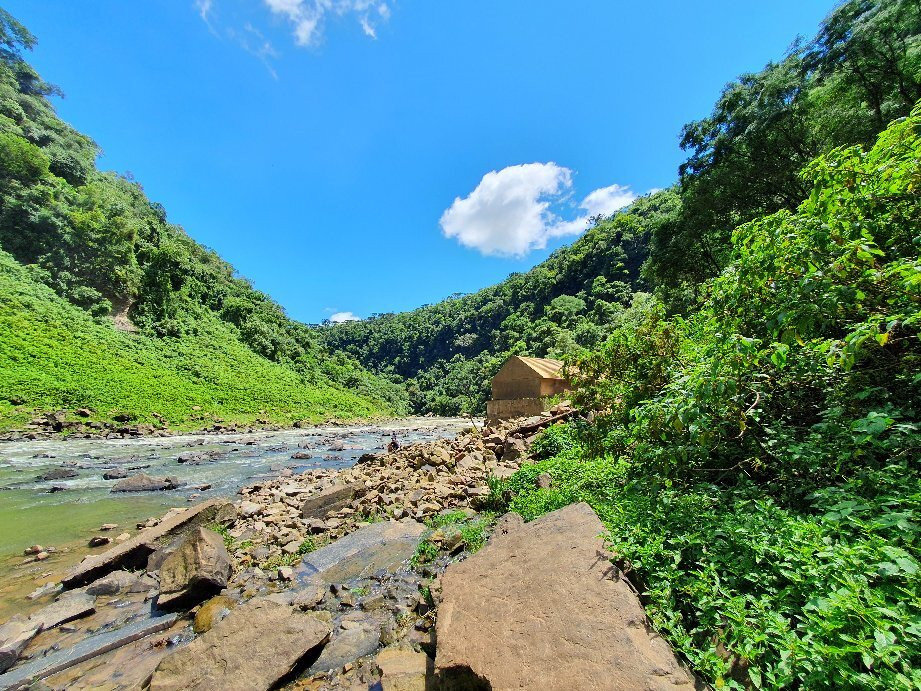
[55, 493]
[328, 578]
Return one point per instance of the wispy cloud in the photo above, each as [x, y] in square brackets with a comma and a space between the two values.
[307, 17]
[340, 317]
[510, 212]
[255, 43]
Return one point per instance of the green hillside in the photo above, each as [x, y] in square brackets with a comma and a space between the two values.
[757, 463]
[204, 336]
[861, 71]
[54, 356]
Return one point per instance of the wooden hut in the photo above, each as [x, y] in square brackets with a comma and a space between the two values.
[522, 386]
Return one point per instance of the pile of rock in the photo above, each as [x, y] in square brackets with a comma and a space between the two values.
[274, 602]
[417, 481]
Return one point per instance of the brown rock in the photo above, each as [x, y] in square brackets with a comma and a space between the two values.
[252, 648]
[14, 637]
[403, 670]
[513, 612]
[198, 568]
[145, 483]
[135, 551]
[328, 500]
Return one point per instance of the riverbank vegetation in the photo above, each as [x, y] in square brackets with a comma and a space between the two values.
[756, 460]
[55, 356]
[842, 88]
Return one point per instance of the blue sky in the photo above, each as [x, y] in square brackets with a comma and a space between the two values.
[371, 156]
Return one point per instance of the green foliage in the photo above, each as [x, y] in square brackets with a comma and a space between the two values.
[99, 243]
[448, 353]
[756, 462]
[426, 553]
[754, 593]
[861, 71]
[472, 531]
[553, 441]
[55, 356]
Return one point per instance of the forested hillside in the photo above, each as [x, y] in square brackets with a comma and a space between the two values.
[861, 71]
[448, 352]
[757, 463]
[99, 243]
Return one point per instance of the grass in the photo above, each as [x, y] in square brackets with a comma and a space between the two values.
[473, 533]
[54, 356]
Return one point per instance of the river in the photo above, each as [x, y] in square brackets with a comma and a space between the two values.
[65, 513]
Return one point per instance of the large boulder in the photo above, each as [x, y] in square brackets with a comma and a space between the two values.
[328, 500]
[253, 648]
[145, 483]
[542, 601]
[135, 551]
[197, 569]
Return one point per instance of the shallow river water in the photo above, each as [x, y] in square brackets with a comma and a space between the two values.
[65, 513]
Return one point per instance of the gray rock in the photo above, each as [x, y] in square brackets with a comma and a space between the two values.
[57, 474]
[14, 637]
[368, 549]
[45, 590]
[198, 569]
[41, 667]
[254, 647]
[328, 500]
[113, 584]
[356, 637]
[145, 483]
[67, 607]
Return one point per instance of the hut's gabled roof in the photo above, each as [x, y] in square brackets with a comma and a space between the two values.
[546, 368]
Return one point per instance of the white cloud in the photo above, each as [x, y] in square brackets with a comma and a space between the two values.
[204, 8]
[340, 317]
[307, 16]
[509, 212]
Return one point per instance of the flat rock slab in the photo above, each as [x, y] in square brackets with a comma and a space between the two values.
[67, 607]
[252, 648]
[369, 549]
[352, 640]
[541, 602]
[14, 637]
[135, 551]
[24, 675]
[328, 500]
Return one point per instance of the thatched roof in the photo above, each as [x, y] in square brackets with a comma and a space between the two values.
[546, 368]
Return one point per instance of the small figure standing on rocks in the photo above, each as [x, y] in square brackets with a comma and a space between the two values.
[394, 445]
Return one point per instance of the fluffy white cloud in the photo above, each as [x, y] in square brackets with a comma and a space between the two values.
[339, 317]
[307, 15]
[509, 212]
